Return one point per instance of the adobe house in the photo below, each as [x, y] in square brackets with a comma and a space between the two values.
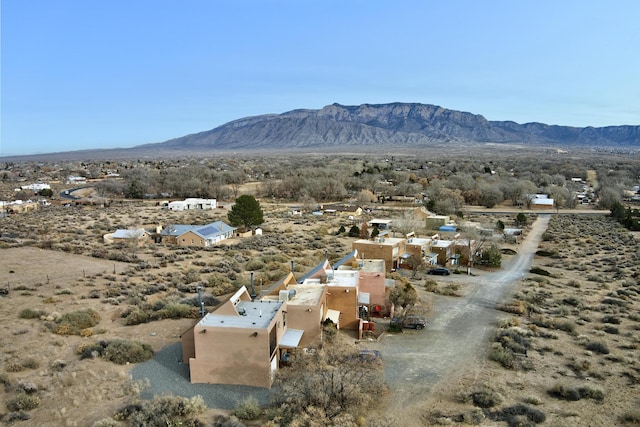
[389, 249]
[420, 247]
[306, 309]
[443, 249]
[242, 342]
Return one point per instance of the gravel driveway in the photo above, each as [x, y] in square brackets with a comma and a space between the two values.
[456, 334]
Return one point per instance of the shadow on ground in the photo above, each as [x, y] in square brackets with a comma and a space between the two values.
[167, 375]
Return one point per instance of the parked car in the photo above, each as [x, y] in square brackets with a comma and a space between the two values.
[411, 321]
[439, 271]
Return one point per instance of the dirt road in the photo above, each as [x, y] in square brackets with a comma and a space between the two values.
[455, 337]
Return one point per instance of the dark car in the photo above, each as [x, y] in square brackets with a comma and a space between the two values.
[414, 322]
[439, 271]
[411, 321]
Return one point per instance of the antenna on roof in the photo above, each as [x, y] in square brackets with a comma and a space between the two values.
[200, 302]
[253, 291]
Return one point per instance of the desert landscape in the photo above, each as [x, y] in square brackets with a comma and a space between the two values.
[561, 346]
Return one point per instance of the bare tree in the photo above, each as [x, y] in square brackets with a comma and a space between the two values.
[330, 384]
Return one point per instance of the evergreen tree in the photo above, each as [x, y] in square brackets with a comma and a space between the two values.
[246, 212]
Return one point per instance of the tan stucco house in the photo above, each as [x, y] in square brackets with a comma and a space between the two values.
[240, 343]
[389, 249]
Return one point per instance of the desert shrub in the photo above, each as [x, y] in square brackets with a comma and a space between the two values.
[561, 391]
[91, 350]
[177, 311]
[14, 367]
[227, 421]
[611, 319]
[26, 387]
[503, 356]
[23, 402]
[450, 290]
[29, 313]
[546, 253]
[16, 416]
[58, 365]
[611, 330]
[631, 417]
[615, 301]
[509, 322]
[136, 317]
[106, 422]
[517, 415]
[248, 409]
[30, 363]
[597, 347]
[591, 393]
[163, 411]
[123, 351]
[486, 398]
[532, 400]
[430, 285]
[255, 264]
[513, 307]
[513, 340]
[539, 271]
[73, 323]
[573, 301]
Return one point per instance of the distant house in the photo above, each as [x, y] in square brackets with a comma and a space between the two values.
[192, 204]
[76, 179]
[197, 235]
[122, 236]
[380, 224]
[341, 209]
[38, 186]
[540, 201]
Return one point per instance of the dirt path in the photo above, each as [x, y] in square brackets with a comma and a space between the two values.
[418, 361]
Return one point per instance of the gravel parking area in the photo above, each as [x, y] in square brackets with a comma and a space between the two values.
[167, 375]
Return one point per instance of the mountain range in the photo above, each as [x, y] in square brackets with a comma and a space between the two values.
[395, 124]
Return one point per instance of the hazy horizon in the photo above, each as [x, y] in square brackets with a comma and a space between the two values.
[83, 76]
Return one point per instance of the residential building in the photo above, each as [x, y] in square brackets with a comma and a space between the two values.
[443, 249]
[420, 247]
[192, 204]
[342, 209]
[197, 235]
[240, 343]
[245, 340]
[389, 249]
[540, 201]
[122, 236]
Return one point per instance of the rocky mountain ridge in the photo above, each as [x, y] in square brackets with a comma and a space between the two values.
[396, 124]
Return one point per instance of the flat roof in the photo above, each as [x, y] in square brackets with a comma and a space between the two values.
[306, 294]
[372, 266]
[387, 241]
[257, 314]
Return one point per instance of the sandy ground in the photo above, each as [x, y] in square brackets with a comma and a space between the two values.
[88, 390]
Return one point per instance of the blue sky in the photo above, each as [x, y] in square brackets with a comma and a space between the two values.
[79, 74]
